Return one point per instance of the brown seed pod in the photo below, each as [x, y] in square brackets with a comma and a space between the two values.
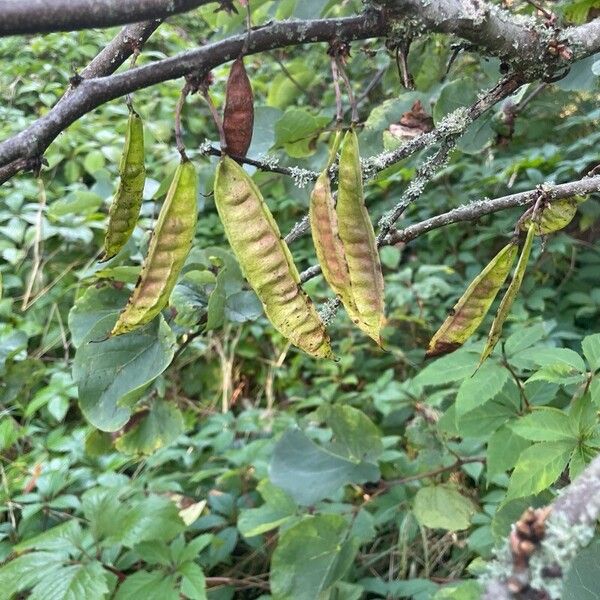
[238, 116]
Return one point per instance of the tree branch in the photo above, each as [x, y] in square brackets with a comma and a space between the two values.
[43, 16]
[475, 210]
[527, 45]
[542, 548]
[480, 208]
[92, 93]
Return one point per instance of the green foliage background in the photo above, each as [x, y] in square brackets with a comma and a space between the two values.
[203, 457]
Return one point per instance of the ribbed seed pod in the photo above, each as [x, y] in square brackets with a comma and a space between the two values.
[326, 239]
[125, 207]
[266, 260]
[170, 244]
[358, 240]
[238, 116]
[509, 296]
[473, 305]
[555, 215]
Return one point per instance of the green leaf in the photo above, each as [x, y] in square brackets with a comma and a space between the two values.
[556, 373]
[443, 507]
[543, 356]
[193, 583]
[582, 417]
[153, 585]
[449, 368]
[485, 419]
[297, 130]
[591, 350]
[62, 538]
[73, 582]
[544, 425]
[354, 435]
[112, 375]
[581, 580]
[95, 313]
[467, 590]
[538, 467]
[159, 426]
[524, 337]
[455, 94]
[298, 466]
[310, 557]
[475, 391]
[277, 509]
[503, 450]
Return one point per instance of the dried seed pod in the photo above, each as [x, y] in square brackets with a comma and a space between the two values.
[170, 244]
[358, 240]
[266, 260]
[125, 207]
[328, 245]
[238, 116]
[473, 305]
[509, 296]
[555, 215]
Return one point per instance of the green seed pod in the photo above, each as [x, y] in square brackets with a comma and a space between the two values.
[170, 244]
[509, 296]
[125, 207]
[358, 240]
[266, 260]
[473, 305]
[328, 245]
[555, 215]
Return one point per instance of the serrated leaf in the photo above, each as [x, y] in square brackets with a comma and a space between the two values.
[538, 467]
[277, 509]
[591, 350]
[447, 369]
[503, 450]
[581, 580]
[480, 388]
[544, 425]
[443, 507]
[153, 585]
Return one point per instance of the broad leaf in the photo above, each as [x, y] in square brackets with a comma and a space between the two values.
[277, 509]
[443, 507]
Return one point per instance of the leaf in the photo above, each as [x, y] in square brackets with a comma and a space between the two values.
[309, 473]
[447, 369]
[591, 350]
[524, 337]
[73, 582]
[159, 426]
[277, 509]
[509, 297]
[544, 425]
[193, 583]
[473, 305]
[480, 388]
[354, 434]
[466, 590]
[297, 130]
[581, 580]
[503, 450]
[95, 313]
[443, 507]
[544, 356]
[556, 215]
[153, 585]
[310, 557]
[538, 467]
[112, 374]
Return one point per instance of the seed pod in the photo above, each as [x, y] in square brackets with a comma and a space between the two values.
[555, 215]
[473, 305]
[125, 207]
[265, 259]
[326, 239]
[238, 116]
[358, 240]
[509, 296]
[170, 244]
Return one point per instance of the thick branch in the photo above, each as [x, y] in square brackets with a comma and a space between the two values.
[538, 572]
[92, 93]
[43, 16]
[526, 44]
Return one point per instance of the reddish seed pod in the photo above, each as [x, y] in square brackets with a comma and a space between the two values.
[238, 117]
